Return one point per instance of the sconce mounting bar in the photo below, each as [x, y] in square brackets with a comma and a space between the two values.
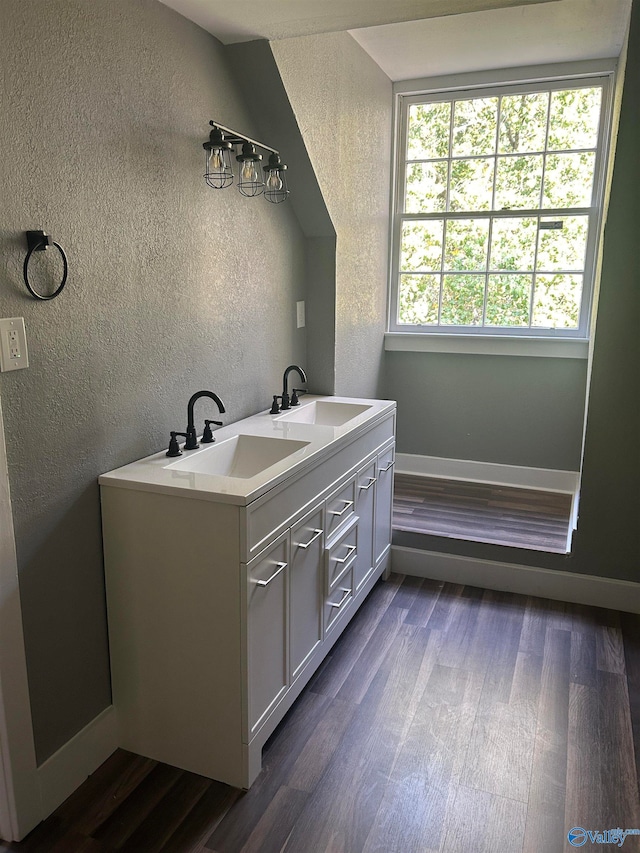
[240, 137]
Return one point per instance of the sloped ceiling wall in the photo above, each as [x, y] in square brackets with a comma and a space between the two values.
[342, 103]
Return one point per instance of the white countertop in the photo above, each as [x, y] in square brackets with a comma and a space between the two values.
[159, 473]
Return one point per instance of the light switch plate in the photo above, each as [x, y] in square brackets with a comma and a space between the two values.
[13, 344]
[300, 315]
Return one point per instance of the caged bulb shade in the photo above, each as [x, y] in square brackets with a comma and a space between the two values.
[249, 179]
[276, 189]
[219, 173]
[249, 172]
[274, 181]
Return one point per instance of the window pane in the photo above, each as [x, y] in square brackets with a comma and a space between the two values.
[563, 248]
[518, 182]
[419, 297]
[428, 131]
[471, 184]
[421, 247]
[474, 126]
[495, 199]
[575, 114]
[426, 189]
[462, 300]
[568, 180]
[556, 303]
[513, 243]
[508, 298]
[466, 244]
[523, 122]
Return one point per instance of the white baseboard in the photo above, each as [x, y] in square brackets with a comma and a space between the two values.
[526, 580]
[67, 768]
[488, 472]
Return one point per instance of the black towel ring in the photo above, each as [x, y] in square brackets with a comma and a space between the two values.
[37, 241]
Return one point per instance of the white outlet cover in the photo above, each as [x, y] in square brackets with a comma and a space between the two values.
[300, 320]
[13, 344]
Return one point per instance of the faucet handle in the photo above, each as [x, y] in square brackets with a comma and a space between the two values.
[192, 439]
[294, 395]
[174, 447]
[275, 408]
[207, 435]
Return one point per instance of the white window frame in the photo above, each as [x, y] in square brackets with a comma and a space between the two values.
[510, 340]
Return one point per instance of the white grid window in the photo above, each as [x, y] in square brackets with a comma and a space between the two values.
[497, 208]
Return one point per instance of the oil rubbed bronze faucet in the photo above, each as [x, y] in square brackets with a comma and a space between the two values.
[192, 440]
[190, 435]
[288, 401]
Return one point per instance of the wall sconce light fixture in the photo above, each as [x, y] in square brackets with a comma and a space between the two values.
[219, 172]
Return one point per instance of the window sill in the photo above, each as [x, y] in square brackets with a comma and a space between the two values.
[488, 345]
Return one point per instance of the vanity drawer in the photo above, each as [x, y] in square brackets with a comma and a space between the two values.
[340, 506]
[342, 554]
[338, 601]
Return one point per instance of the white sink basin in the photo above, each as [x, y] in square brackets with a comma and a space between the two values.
[256, 454]
[324, 413]
[242, 456]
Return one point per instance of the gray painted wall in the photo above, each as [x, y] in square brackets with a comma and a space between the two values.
[608, 539]
[173, 287]
[321, 313]
[512, 410]
[271, 110]
[342, 103]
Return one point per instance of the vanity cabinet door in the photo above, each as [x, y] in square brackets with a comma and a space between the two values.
[384, 501]
[267, 630]
[306, 588]
[365, 510]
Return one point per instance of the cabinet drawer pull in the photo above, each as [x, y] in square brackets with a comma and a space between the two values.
[316, 533]
[390, 465]
[346, 506]
[347, 593]
[350, 550]
[369, 484]
[281, 567]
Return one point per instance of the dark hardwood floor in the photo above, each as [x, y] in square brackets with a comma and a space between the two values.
[447, 718]
[482, 512]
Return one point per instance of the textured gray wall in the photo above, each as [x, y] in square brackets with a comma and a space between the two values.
[509, 410]
[271, 110]
[607, 541]
[342, 102]
[173, 287]
[321, 313]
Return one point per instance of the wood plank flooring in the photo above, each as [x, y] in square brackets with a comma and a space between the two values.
[447, 718]
[481, 512]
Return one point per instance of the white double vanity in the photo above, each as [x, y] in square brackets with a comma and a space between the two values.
[232, 570]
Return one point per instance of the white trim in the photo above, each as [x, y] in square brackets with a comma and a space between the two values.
[68, 768]
[505, 76]
[21, 807]
[525, 580]
[518, 476]
[487, 345]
